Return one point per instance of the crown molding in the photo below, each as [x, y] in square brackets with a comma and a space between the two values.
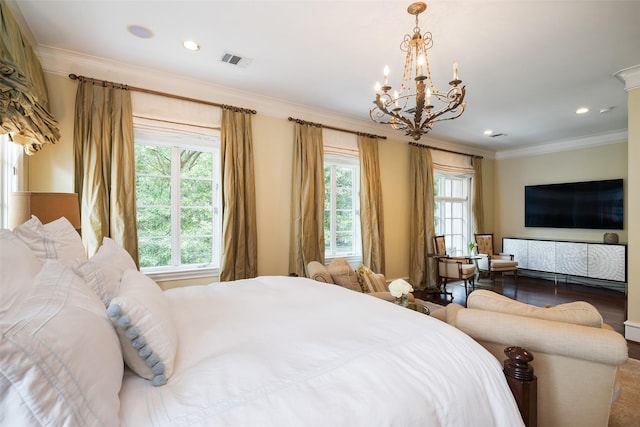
[65, 62]
[630, 77]
[613, 137]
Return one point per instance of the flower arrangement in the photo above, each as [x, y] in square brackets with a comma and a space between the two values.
[400, 289]
[472, 246]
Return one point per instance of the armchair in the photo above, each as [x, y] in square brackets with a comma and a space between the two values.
[494, 263]
[455, 269]
[440, 247]
[576, 355]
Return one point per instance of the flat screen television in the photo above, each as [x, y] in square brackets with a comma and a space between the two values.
[591, 204]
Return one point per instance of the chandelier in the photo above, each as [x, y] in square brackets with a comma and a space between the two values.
[418, 104]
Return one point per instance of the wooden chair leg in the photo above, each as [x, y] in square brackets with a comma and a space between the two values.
[443, 291]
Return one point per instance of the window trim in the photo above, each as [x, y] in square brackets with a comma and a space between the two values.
[352, 162]
[13, 173]
[200, 142]
[469, 226]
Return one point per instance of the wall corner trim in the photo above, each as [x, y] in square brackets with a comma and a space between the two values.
[630, 77]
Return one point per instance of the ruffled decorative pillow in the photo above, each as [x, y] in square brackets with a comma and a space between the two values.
[103, 271]
[148, 337]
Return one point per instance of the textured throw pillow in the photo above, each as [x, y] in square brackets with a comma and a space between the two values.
[103, 271]
[19, 266]
[148, 337]
[319, 272]
[60, 359]
[343, 274]
[577, 313]
[55, 240]
[369, 281]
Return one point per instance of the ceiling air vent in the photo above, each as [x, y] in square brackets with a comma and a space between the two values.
[233, 59]
[495, 135]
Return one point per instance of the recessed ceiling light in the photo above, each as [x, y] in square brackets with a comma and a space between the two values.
[488, 132]
[190, 45]
[582, 110]
[140, 31]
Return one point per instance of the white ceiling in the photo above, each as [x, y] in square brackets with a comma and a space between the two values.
[527, 65]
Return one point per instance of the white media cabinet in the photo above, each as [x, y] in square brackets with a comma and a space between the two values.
[598, 261]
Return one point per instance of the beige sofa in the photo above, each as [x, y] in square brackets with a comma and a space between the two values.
[340, 272]
[576, 355]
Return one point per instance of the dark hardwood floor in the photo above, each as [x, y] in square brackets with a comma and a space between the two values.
[540, 292]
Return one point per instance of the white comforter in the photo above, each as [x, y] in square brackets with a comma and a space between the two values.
[280, 351]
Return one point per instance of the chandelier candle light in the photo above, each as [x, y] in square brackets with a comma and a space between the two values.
[418, 104]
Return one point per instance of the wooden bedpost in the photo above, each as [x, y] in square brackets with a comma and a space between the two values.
[523, 383]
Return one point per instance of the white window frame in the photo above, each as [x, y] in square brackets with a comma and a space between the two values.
[354, 257]
[12, 174]
[444, 218]
[177, 142]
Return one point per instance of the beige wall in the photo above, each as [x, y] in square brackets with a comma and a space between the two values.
[52, 170]
[489, 196]
[587, 164]
[503, 182]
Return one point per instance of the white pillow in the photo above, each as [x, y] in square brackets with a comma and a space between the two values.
[104, 270]
[148, 336]
[55, 240]
[60, 359]
[19, 266]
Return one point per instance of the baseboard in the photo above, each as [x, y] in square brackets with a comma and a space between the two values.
[632, 331]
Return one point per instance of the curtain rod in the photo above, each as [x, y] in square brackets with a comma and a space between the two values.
[153, 92]
[303, 122]
[444, 149]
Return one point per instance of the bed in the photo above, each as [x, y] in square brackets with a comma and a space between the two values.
[268, 351]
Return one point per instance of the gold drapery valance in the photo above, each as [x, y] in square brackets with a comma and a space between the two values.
[24, 105]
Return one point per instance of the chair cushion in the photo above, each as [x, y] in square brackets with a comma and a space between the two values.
[468, 270]
[455, 268]
[343, 274]
[578, 313]
[502, 265]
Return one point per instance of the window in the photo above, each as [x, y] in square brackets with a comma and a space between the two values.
[452, 211]
[177, 193]
[341, 207]
[11, 159]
